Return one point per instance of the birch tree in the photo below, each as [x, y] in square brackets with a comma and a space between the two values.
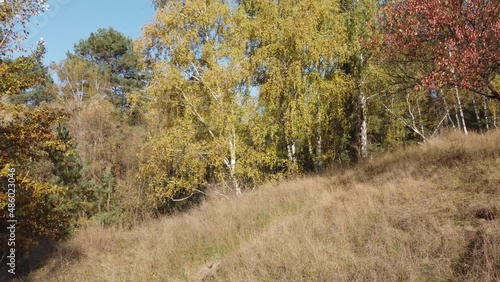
[296, 49]
[198, 83]
[360, 20]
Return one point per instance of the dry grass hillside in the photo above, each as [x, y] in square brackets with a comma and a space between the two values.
[426, 213]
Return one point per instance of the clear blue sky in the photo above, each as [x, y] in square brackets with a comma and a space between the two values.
[68, 21]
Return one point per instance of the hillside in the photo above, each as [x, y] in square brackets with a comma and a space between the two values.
[428, 212]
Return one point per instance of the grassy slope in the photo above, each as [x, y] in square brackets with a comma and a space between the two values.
[406, 216]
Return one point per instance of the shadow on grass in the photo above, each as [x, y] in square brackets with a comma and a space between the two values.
[38, 258]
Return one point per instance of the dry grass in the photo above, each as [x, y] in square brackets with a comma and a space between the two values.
[411, 215]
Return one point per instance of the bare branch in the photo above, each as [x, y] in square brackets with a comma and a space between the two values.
[407, 124]
[439, 124]
[195, 112]
[186, 198]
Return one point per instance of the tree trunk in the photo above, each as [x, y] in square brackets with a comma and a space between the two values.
[447, 111]
[319, 141]
[459, 124]
[460, 110]
[413, 124]
[422, 128]
[319, 151]
[476, 111]
[495, 119]
[485, 108]
[291, 154]
[232, 161]
[364, 127]
[310, 146]
[459, 103]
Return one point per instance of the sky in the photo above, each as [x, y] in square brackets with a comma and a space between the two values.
[68, 21]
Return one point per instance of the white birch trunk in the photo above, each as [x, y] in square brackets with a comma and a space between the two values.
[413, 124]
[459, 103]
[476, 111]
[364, 127]
[422, 129]
[319, 140]
[319, 151]
[486, 119]
[232, 161]
[495, 119]
[364, 124]
[291, 154]
[459, 124]
[310, 146]
[447, 109]
[460, 110]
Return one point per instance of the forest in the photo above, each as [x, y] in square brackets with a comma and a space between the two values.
[218, 98]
